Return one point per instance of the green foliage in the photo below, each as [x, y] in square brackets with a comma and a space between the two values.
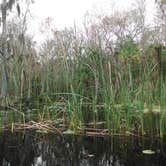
[128, 48]
[93, 88]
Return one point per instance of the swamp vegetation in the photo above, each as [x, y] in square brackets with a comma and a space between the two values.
[109, 79]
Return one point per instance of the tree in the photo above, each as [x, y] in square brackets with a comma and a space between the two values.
[162, 8]
[161, 20]
[6, 6]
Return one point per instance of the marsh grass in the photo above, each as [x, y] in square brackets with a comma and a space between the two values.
[92, 88]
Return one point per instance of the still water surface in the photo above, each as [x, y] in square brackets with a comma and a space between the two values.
[33, 149]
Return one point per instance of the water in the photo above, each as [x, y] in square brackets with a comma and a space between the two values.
[32, 149]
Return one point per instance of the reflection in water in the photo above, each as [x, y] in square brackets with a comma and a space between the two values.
[50, 150]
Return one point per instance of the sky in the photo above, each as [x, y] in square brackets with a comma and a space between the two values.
[67, 12]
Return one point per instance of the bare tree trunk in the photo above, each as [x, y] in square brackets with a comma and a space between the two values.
[4, 52]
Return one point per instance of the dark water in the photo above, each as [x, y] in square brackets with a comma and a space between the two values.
[50, 150]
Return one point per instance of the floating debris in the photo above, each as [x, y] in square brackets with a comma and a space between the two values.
[90, 155]
[148, 151]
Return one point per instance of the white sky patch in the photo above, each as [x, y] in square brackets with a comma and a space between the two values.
[151, 10]
[66, 12]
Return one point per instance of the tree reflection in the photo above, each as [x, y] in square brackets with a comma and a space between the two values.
[49, 150]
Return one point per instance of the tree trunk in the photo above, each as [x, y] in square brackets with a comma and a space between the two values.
[4, 52]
